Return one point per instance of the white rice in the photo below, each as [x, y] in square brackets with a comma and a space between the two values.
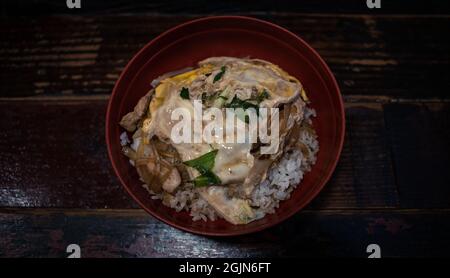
[265, 198]
[124, 139]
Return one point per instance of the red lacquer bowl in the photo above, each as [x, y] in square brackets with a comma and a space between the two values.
[235, 36]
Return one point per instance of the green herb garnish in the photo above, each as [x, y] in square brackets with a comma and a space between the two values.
[262, 96]
[220, 74]
[237, 103]
[208, 178]
[184, 93]
[204, 165]
[246, 104]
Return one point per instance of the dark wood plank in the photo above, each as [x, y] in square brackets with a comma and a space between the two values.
[54, 155]
[364, 176]
[420, 141]
[45, 7]
[132, 233]
[399, 56]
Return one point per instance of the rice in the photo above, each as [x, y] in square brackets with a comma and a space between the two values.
[124, 139]
[265, 198]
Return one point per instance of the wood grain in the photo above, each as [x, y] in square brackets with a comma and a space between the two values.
[80, 55]
[364, 176]
[54, 155]
[58, 67]
[99, 7]
[132, 233]
[419, 137]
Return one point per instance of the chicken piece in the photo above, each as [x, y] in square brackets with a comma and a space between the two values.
[130, 120]
[172, 181]
[155, 170]
[257, 174]
[234, 210]
[291, 115]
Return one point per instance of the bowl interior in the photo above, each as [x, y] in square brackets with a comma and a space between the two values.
[189, 43]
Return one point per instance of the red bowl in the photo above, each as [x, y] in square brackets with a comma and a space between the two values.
[236, 36]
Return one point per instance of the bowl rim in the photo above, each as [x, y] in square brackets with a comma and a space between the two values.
[308, 198]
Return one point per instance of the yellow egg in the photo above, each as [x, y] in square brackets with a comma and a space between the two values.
[190, 76]
[160, 92]
[303, 95]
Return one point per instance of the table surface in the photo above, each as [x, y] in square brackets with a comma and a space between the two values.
[391, 186]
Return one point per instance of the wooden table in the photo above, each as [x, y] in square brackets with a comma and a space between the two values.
[58, 67]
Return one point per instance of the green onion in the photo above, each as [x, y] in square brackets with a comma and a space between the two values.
[220, 74]
[184, 93]
[220, 101]
[204, 165]
[238, 103]
[261, 97]
[205, 179]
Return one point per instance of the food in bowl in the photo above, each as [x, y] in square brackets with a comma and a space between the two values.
[240, 181]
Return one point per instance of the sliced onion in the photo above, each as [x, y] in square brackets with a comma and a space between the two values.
[129, 152]
[141, 161]
[137, 134]
[149, 179]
